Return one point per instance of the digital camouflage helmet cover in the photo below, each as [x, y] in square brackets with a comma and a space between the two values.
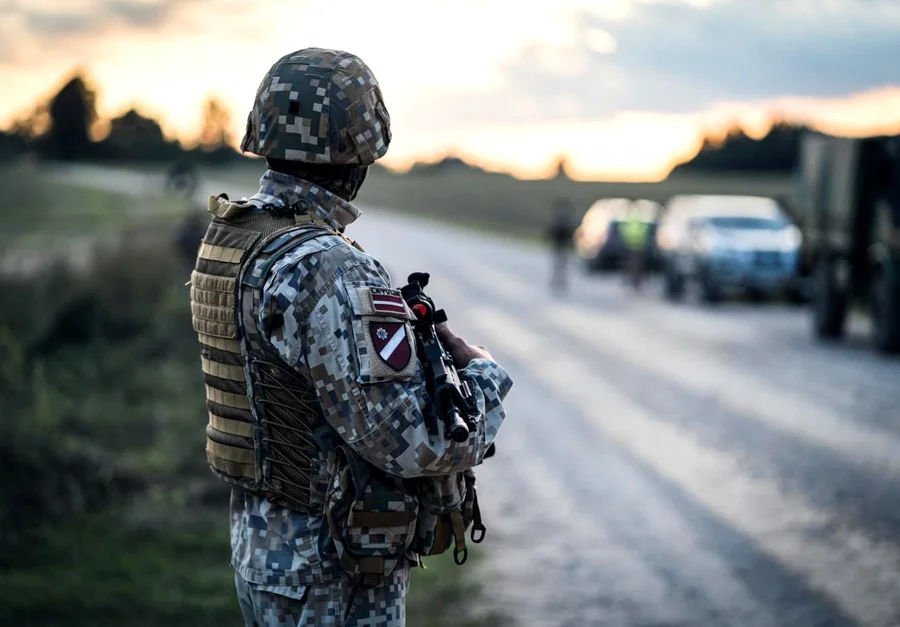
[321, 107]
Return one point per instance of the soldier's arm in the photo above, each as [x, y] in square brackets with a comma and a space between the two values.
[383, 413]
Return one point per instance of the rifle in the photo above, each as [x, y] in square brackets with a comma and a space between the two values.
[452, 397]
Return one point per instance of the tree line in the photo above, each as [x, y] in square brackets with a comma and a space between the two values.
[777, 151]
[65, 128]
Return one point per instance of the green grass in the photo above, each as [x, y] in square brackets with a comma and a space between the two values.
[445, 595]
[36, 204]
[105, 500]
[108, 569]
[42, 218]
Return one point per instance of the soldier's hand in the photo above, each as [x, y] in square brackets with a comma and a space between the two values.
[461, 351]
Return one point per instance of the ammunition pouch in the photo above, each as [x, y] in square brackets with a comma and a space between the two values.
[448, 506]
[371, 519]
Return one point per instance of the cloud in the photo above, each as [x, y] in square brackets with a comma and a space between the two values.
[80, 17]
[756, 48]
[681, 56]
[48, 32]
[143, 14]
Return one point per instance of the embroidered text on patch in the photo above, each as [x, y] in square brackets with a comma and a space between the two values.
[387, 301]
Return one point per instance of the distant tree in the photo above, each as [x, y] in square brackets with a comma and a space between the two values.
[562, 168]
[135, 137]
[72, 111]
[446, 164]
[214, 133]
[776, 152]
[32, 124]
[60, 129]
[22, 133]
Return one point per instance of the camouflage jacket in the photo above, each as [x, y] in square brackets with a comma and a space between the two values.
[380, 412]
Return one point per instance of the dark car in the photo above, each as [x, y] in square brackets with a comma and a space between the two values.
[598, 240]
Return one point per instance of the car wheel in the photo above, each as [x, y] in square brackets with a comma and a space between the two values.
[885, 309]
[673, 284]
[756, 295]
[709, 289]
[829, 301]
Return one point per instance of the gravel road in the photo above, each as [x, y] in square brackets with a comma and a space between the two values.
[669, 464]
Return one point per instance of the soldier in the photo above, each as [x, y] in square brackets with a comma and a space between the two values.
[314, 393]
[560, 232]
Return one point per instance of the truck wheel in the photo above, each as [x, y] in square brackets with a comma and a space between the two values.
[673, 284]
[828, 300]
[886, 311]
[797, 293]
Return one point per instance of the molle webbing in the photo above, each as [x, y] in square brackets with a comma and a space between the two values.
[265, 444]
[286, 406]
[229, 433]
[287, 410]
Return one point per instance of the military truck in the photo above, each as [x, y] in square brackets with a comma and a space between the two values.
[848, 206]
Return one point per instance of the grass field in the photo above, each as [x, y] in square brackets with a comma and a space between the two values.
[42, 218]
[501, 203]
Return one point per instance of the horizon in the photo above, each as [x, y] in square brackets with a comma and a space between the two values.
[623, 89]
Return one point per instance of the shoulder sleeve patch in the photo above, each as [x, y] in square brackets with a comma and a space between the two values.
[382, 301]
[384, 338]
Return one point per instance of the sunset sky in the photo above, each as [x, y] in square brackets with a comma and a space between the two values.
[622, 87]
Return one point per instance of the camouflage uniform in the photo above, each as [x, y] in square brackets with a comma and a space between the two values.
[312, 313]
[308, 304]
[326, 604]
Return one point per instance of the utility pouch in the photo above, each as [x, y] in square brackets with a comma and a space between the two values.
[448, 506]
[371, 518]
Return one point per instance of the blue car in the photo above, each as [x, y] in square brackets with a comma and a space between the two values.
[728, 242]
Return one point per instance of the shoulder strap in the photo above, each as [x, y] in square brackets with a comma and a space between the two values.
[305, 218]
[304, 234]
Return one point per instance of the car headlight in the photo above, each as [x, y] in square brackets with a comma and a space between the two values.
[791, 237]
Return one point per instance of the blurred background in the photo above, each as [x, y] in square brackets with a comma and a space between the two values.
[676, 222]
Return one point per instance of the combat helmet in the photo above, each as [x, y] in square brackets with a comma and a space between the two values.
[319, 106]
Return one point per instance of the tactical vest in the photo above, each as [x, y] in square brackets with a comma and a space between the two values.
[262, 413]
[266, 432]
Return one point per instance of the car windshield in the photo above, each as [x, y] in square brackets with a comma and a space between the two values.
[740, 222]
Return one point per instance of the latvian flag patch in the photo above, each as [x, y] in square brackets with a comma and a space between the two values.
[387, 301]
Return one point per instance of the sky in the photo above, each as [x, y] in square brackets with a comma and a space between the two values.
[622, 88]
